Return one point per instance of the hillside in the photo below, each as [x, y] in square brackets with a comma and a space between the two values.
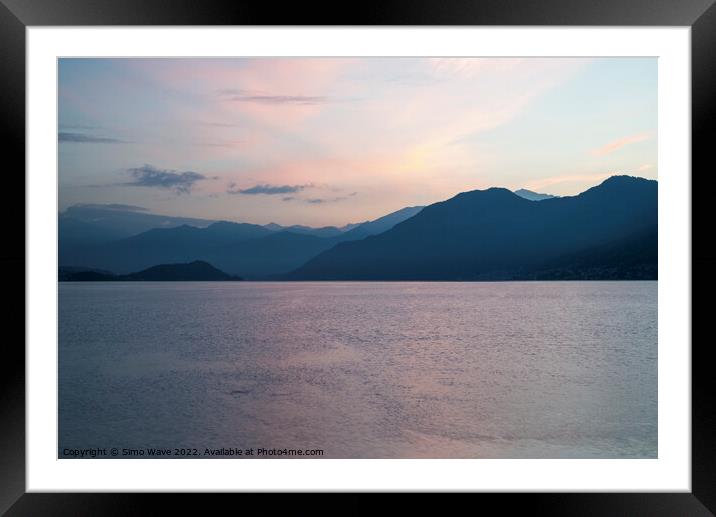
[197, 271]
[608, 231]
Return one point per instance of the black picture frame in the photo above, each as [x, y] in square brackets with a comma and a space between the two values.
[16, 15]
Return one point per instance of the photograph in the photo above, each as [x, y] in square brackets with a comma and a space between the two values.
[357, 257]
[423, 248]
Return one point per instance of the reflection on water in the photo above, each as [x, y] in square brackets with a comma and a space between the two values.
[362, 370]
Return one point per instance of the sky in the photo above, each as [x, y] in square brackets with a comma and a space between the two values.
[332, 141]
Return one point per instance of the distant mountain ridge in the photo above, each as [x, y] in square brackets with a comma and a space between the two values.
[159, 245]
[533, 196]
[248, 250]
[382, 223]
[110, 222]
[197, 271]
[324, 231]
[608, 231]
[84, 224]
[65, 273]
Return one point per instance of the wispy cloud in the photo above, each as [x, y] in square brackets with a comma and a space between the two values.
[267, 189]
[84, 127]
[80, 138]
[321, 200]
[619, 143]
[260, 98]
[181, 182]
[401, 131]
[229, 144]
[217, 124]
[112, 206]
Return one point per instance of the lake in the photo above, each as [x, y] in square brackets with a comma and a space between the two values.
[360, 369]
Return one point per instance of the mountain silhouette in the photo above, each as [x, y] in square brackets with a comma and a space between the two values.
[266, 256]
[249, 250]
[533, 196]
[113, 221]
[324, 231]
[381, 224]
[193, 271]
[161, 245]
[608, 231]
[68, 273]
[283, 251]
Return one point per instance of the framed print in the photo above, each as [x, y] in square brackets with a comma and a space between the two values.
[427, 249]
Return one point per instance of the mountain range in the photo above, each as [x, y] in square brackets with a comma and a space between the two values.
[96, 223]
[197, 271]
[248, 250]
[606, 232]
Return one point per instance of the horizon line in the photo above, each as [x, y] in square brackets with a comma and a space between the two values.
[145, 211]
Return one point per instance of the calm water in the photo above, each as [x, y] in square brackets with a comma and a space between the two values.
[362, 370]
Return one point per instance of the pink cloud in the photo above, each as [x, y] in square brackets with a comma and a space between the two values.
[398, 131]
[619, 143]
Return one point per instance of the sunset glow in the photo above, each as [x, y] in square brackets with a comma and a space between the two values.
[331, 141]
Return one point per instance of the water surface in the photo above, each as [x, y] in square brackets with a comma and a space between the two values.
[362, 370]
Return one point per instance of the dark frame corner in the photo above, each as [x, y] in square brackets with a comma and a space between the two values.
[17, 15]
